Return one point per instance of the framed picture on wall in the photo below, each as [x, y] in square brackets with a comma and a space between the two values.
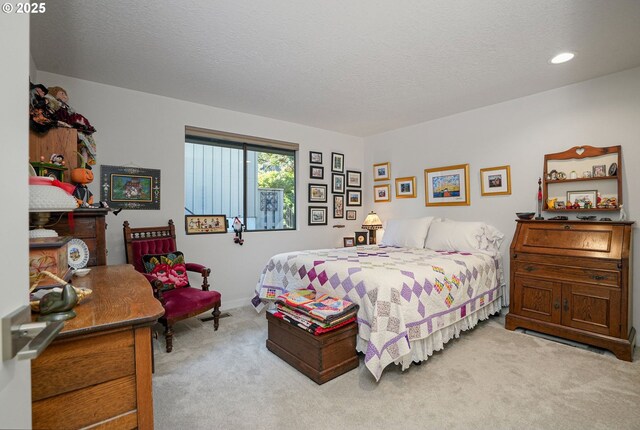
[354, 179]
[338, 206]
[495, 181]
[337, 183]
[315, 157]
[337, 162]
[382, 193]
[316, 172]
[130, 187]
[317, 215]
[352, 215]
[382, 171]
[203, 224]
[317, 193]
[447, 186]
[354, 197]
[406, 187]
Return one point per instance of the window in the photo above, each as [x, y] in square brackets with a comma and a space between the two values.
[251, 178]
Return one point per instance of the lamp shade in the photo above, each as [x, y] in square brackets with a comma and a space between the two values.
[372, 222]
[47, 195]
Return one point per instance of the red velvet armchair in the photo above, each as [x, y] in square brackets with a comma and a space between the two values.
[178, 303]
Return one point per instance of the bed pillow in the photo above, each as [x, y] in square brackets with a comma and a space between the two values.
[169, 268]
[406, 233]
[449, 235]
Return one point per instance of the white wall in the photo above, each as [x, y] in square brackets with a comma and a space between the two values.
[15, 376]
[599, 112]
[148, 131]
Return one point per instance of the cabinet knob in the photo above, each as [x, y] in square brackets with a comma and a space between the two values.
[529, 268]
[566, 304]
[567, 227]
[556, 305]
[598, 277]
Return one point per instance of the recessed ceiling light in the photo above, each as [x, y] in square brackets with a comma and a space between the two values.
[562, 58]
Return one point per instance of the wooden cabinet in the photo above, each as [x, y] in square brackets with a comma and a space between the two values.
[89, 225]
[97, 373]
[55, 141]
[583, 170]
[572, 279]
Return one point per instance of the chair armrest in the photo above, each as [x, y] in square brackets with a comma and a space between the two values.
[158, 287]
[198, 268]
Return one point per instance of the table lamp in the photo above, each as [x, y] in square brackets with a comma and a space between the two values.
[372, 223]
[47, 195]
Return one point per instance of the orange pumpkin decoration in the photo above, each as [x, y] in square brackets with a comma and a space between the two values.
[82, 176]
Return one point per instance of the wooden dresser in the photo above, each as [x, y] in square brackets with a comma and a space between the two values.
[89, 226]
[572, 279]
[98, 370]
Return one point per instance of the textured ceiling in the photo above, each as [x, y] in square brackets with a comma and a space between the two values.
[355, 66]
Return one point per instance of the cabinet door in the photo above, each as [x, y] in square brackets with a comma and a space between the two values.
[538, 299]
[591, 308]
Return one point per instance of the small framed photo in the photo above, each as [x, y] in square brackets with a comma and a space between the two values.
[348, 242]
[354, 179]
[447, 186]
[316, 172]
[317, 215]
[406, 188]
[361, 238]
[495, 181]
[315, 157]
[205, 224]
[559, 205]
[382, 172]
[337, 183]
[337, 162]
[582, 199]
[338, 206]
[599, 171]
[317, 193]
[381, 193]
[354, 197]
[352, 215]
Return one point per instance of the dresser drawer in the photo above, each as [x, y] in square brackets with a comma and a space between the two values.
[69, 365]
[83, 227]
[568, 273]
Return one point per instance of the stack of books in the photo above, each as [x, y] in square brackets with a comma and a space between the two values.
[313, 312]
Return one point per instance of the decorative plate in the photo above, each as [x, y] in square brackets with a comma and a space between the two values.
[78, 254]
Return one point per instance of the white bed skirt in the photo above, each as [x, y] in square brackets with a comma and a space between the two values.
[421, 349]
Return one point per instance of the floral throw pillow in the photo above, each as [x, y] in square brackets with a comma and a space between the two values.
[168, 268]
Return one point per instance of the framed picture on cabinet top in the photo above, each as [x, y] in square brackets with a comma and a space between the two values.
[582, 199]
[352, 215]
[354, 179]
[495, 181]
[599, 171]
[361, 238]
[406, 187]
[447, 186]
[337, 162]
[382, 193]
[315, 157]
[382, 172]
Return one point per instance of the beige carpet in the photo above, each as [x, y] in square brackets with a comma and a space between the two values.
[490, 378]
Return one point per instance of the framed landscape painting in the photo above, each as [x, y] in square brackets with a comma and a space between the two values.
[317, 215]
[382, 171]
[447, 186]
[354, 179]
[406, 187]
[317, 193]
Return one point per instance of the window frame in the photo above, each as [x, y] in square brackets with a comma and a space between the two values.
[256, 145]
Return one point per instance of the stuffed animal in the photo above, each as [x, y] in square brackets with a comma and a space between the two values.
[238, 227]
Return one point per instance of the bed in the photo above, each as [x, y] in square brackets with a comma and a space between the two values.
[412, 299]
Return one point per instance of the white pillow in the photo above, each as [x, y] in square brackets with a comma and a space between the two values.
[407, 233]
[449, 235]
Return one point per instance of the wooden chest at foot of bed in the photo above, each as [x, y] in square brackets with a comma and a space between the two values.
[321, 358]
